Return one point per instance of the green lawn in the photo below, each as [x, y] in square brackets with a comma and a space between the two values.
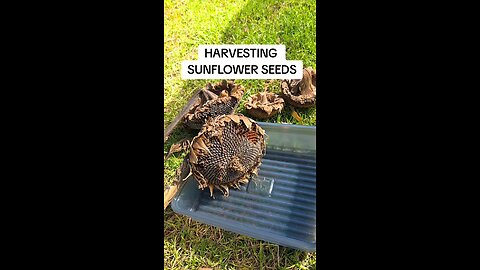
[189, 244]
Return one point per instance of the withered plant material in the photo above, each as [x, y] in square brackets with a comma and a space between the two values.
[168, 195]
[182, 145]
[183, 172]
[219, 99]
[180, 117]
[301, 93]
[264, 105]
[297, 117]
[227, 151]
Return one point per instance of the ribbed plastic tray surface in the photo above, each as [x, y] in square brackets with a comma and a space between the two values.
[278, 206]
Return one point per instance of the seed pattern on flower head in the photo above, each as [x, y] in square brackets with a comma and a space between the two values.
[235, 145]
[211, 105]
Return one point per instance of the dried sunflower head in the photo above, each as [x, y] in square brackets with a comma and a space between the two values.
[264, 105]
[227, 151]
[301, 93]
[219, 99]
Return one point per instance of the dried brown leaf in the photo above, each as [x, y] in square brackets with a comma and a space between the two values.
[168, 195]
[297, 116]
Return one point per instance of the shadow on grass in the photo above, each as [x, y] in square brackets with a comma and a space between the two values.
[291, 23]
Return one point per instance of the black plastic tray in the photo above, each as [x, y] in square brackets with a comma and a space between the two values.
[278, 206]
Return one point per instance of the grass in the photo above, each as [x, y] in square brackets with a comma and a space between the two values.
[189, 244]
